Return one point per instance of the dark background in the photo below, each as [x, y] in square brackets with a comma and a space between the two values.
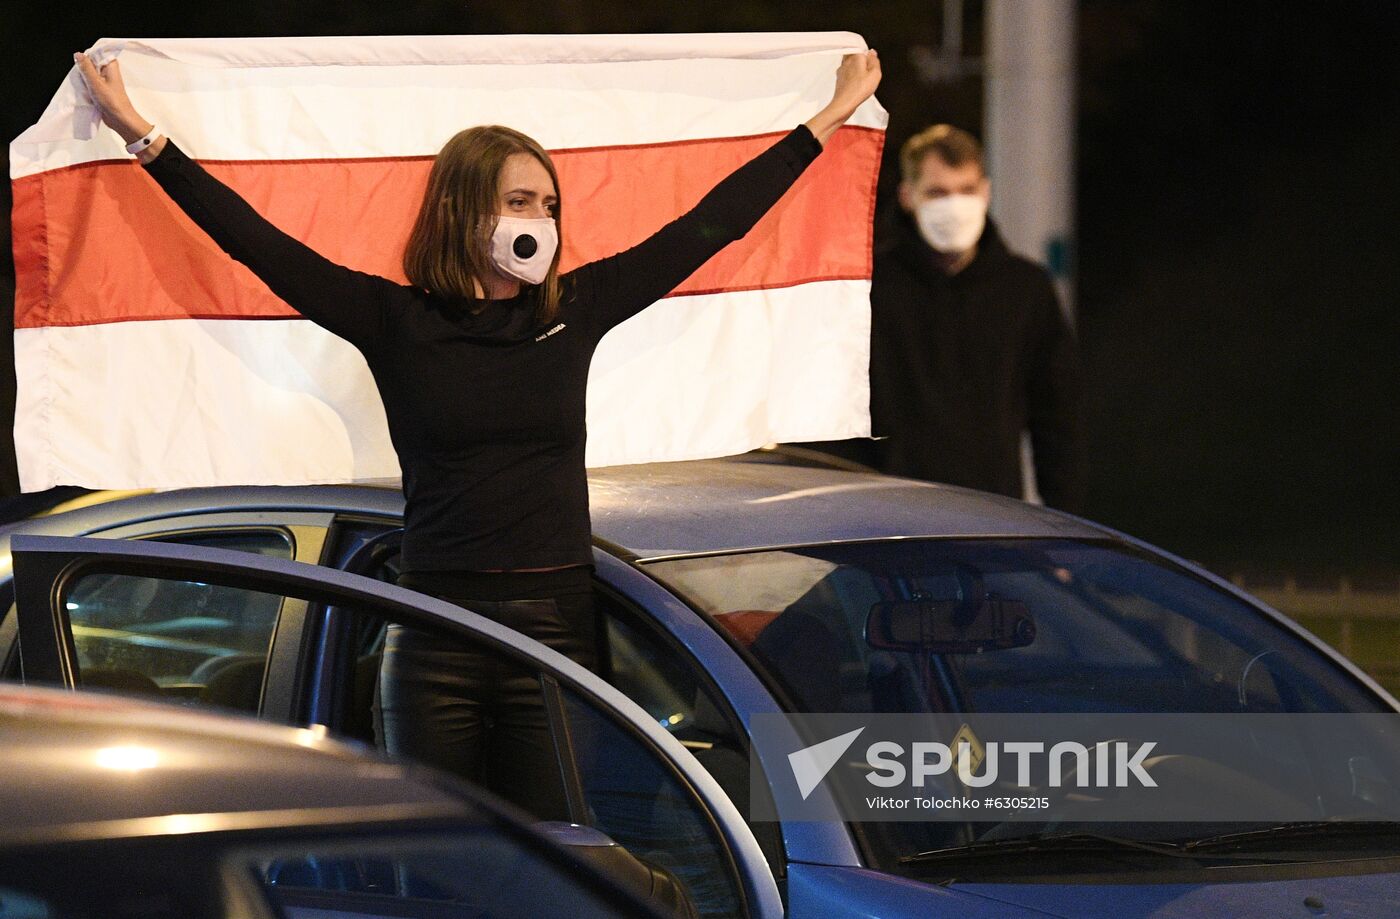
[1239, 296]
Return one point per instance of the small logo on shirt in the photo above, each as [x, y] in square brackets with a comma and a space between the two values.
[558, 328]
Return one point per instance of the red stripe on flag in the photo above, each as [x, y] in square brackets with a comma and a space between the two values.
[99, 242]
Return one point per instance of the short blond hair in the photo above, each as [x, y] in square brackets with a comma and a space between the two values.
[953, 146]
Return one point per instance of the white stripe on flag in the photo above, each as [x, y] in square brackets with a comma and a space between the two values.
[180, 403]
[291, 111]
[195, 402]
[702, 376]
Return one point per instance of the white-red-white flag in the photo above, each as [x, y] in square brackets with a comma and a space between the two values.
[147, 358]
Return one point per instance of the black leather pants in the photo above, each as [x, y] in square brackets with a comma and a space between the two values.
[473, 712]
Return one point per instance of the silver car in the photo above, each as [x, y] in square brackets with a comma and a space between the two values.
[732, 589]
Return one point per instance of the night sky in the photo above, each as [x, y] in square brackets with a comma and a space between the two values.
[1239, 296]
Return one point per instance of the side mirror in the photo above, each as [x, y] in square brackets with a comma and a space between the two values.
[949, 626]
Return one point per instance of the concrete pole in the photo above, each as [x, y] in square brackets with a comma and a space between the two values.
[1028, 89]
[1028, 96]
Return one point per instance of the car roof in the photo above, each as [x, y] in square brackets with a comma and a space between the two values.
[85, 765]
[663, 509]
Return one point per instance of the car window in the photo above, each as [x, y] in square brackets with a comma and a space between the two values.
[671, 685]
[182, 640]
[473, 873]
[17, 904]
[666, 682]
[477, 866]
[635, 798]
[1107, 630]
[274, 543]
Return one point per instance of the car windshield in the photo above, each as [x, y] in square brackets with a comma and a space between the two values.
[1080, 627]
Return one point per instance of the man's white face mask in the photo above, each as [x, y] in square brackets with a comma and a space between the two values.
[952, 224]
[524, 247]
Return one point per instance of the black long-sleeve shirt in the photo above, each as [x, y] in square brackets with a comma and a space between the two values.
[485, 410]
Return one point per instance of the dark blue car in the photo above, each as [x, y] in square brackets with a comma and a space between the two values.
[731, 589]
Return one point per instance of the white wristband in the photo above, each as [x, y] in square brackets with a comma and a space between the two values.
[139, 145]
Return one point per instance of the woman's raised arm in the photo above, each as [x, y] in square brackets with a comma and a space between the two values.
[348, 303]
[622, 285]
[856, 80]
[109, 93]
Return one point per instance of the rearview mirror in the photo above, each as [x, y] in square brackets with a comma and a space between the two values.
[949, 626]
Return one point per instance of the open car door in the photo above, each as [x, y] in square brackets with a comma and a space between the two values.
[296, 643]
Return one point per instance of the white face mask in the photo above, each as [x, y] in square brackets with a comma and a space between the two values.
[524, 247]
[953, 223]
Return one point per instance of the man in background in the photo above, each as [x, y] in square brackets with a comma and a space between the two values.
[969, 346]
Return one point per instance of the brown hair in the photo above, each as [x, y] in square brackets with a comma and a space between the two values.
[450, 246]
[953, 146]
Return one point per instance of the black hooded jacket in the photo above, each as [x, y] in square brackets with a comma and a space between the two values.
[961, 364]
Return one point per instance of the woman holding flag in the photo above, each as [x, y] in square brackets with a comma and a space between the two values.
[482, 361]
